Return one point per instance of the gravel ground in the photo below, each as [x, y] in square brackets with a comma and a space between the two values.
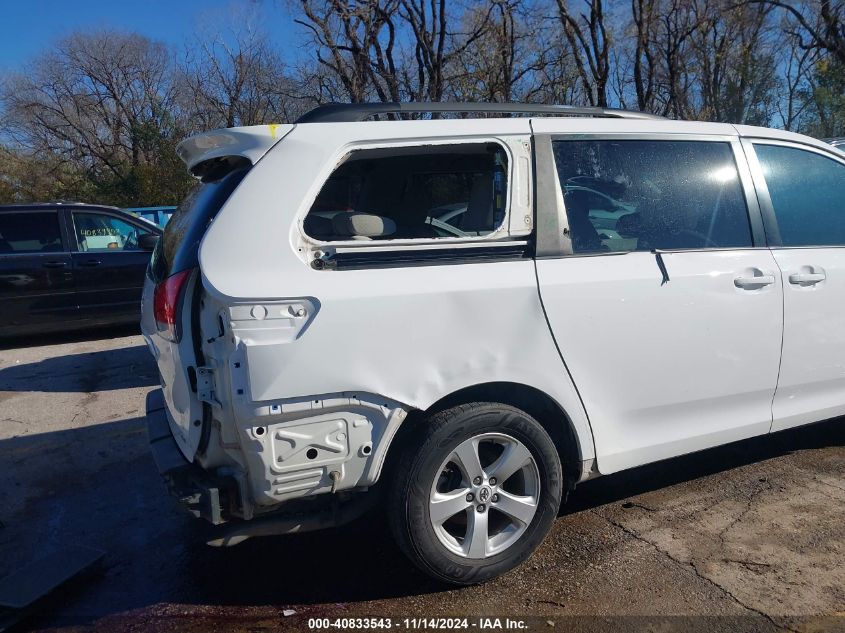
[749, 536]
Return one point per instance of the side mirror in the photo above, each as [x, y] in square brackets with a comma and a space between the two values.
[147, 241]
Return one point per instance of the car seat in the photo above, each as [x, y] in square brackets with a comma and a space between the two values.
[478, 218]
[585, 238]
[362, 226]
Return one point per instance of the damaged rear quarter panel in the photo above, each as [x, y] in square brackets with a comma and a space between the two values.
[414, 334]
[410, 334]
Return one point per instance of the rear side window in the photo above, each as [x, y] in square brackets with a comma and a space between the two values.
[31, 232]
[643, 195]
[434, 191]
[808, 194]
[177, 250]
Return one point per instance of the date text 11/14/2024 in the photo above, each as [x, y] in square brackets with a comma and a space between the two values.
[418, 624]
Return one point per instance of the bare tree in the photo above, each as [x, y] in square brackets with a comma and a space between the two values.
[588, 38]
[732, 53]
[644, 15]
[436, 47]
[356, 47]
[235, 78]
[659, 54]
[102, 102]
[502, 62]
[797, 63]
[819, 24]
[100, 113]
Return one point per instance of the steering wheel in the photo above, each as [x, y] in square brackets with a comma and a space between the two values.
[446, 227]
[131, 243]
[704, 238]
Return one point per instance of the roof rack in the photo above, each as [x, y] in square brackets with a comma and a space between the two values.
[348, 112]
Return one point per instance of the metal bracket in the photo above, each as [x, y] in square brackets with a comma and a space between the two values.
[324, 262]
[205, 384]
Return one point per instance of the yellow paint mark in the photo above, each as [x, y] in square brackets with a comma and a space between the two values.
[273, 127]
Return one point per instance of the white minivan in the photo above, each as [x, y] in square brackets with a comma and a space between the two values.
[460, 319]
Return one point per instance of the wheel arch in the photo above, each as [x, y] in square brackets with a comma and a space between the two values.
[535, 402]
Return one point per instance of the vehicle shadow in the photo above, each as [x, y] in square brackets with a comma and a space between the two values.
[92, 333]
[119, 368]
[360, 561]
[98, 486]
[629, 483]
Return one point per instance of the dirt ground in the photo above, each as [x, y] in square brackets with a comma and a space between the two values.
[749, 536]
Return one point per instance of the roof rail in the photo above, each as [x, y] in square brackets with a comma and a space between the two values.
[348, 112]
[23, 206]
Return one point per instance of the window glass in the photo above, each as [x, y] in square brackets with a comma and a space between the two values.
[177, 249]
[30, 232]
[100, 232]
[425, 192]
[808, 193]
[642, 195]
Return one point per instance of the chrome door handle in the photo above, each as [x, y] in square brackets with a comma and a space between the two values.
[806, 279]
[90, 262]
[752, 283]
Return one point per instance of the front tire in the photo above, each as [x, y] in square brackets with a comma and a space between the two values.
[475, 492]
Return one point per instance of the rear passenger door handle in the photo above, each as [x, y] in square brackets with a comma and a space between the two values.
[90, 262]
[753, 283]
[54, 264]
[806, 279]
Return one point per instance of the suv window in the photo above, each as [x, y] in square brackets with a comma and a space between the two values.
[30, 232]
[641, 195]
[101, 232]
[435, 191]
[178, 248]
[807, 190]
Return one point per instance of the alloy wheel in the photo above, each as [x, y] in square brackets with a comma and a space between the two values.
[484, 496]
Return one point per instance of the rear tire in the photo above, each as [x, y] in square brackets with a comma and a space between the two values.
[448, 510]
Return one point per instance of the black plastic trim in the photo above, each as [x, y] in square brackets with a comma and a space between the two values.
[423, 257]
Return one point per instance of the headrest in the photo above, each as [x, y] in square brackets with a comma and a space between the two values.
[362, 225]
[629, 225]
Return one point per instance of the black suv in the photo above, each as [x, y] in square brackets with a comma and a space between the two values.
[66, 266]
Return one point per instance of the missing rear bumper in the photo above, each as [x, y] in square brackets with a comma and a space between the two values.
[199, 492]
[213, 497]
[331, 514]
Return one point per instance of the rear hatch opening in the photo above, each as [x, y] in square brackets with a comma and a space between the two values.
[172, 297]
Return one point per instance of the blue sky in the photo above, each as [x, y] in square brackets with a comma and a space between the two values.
[28, 27]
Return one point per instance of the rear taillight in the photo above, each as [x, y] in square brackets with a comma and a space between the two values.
[167, 300]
